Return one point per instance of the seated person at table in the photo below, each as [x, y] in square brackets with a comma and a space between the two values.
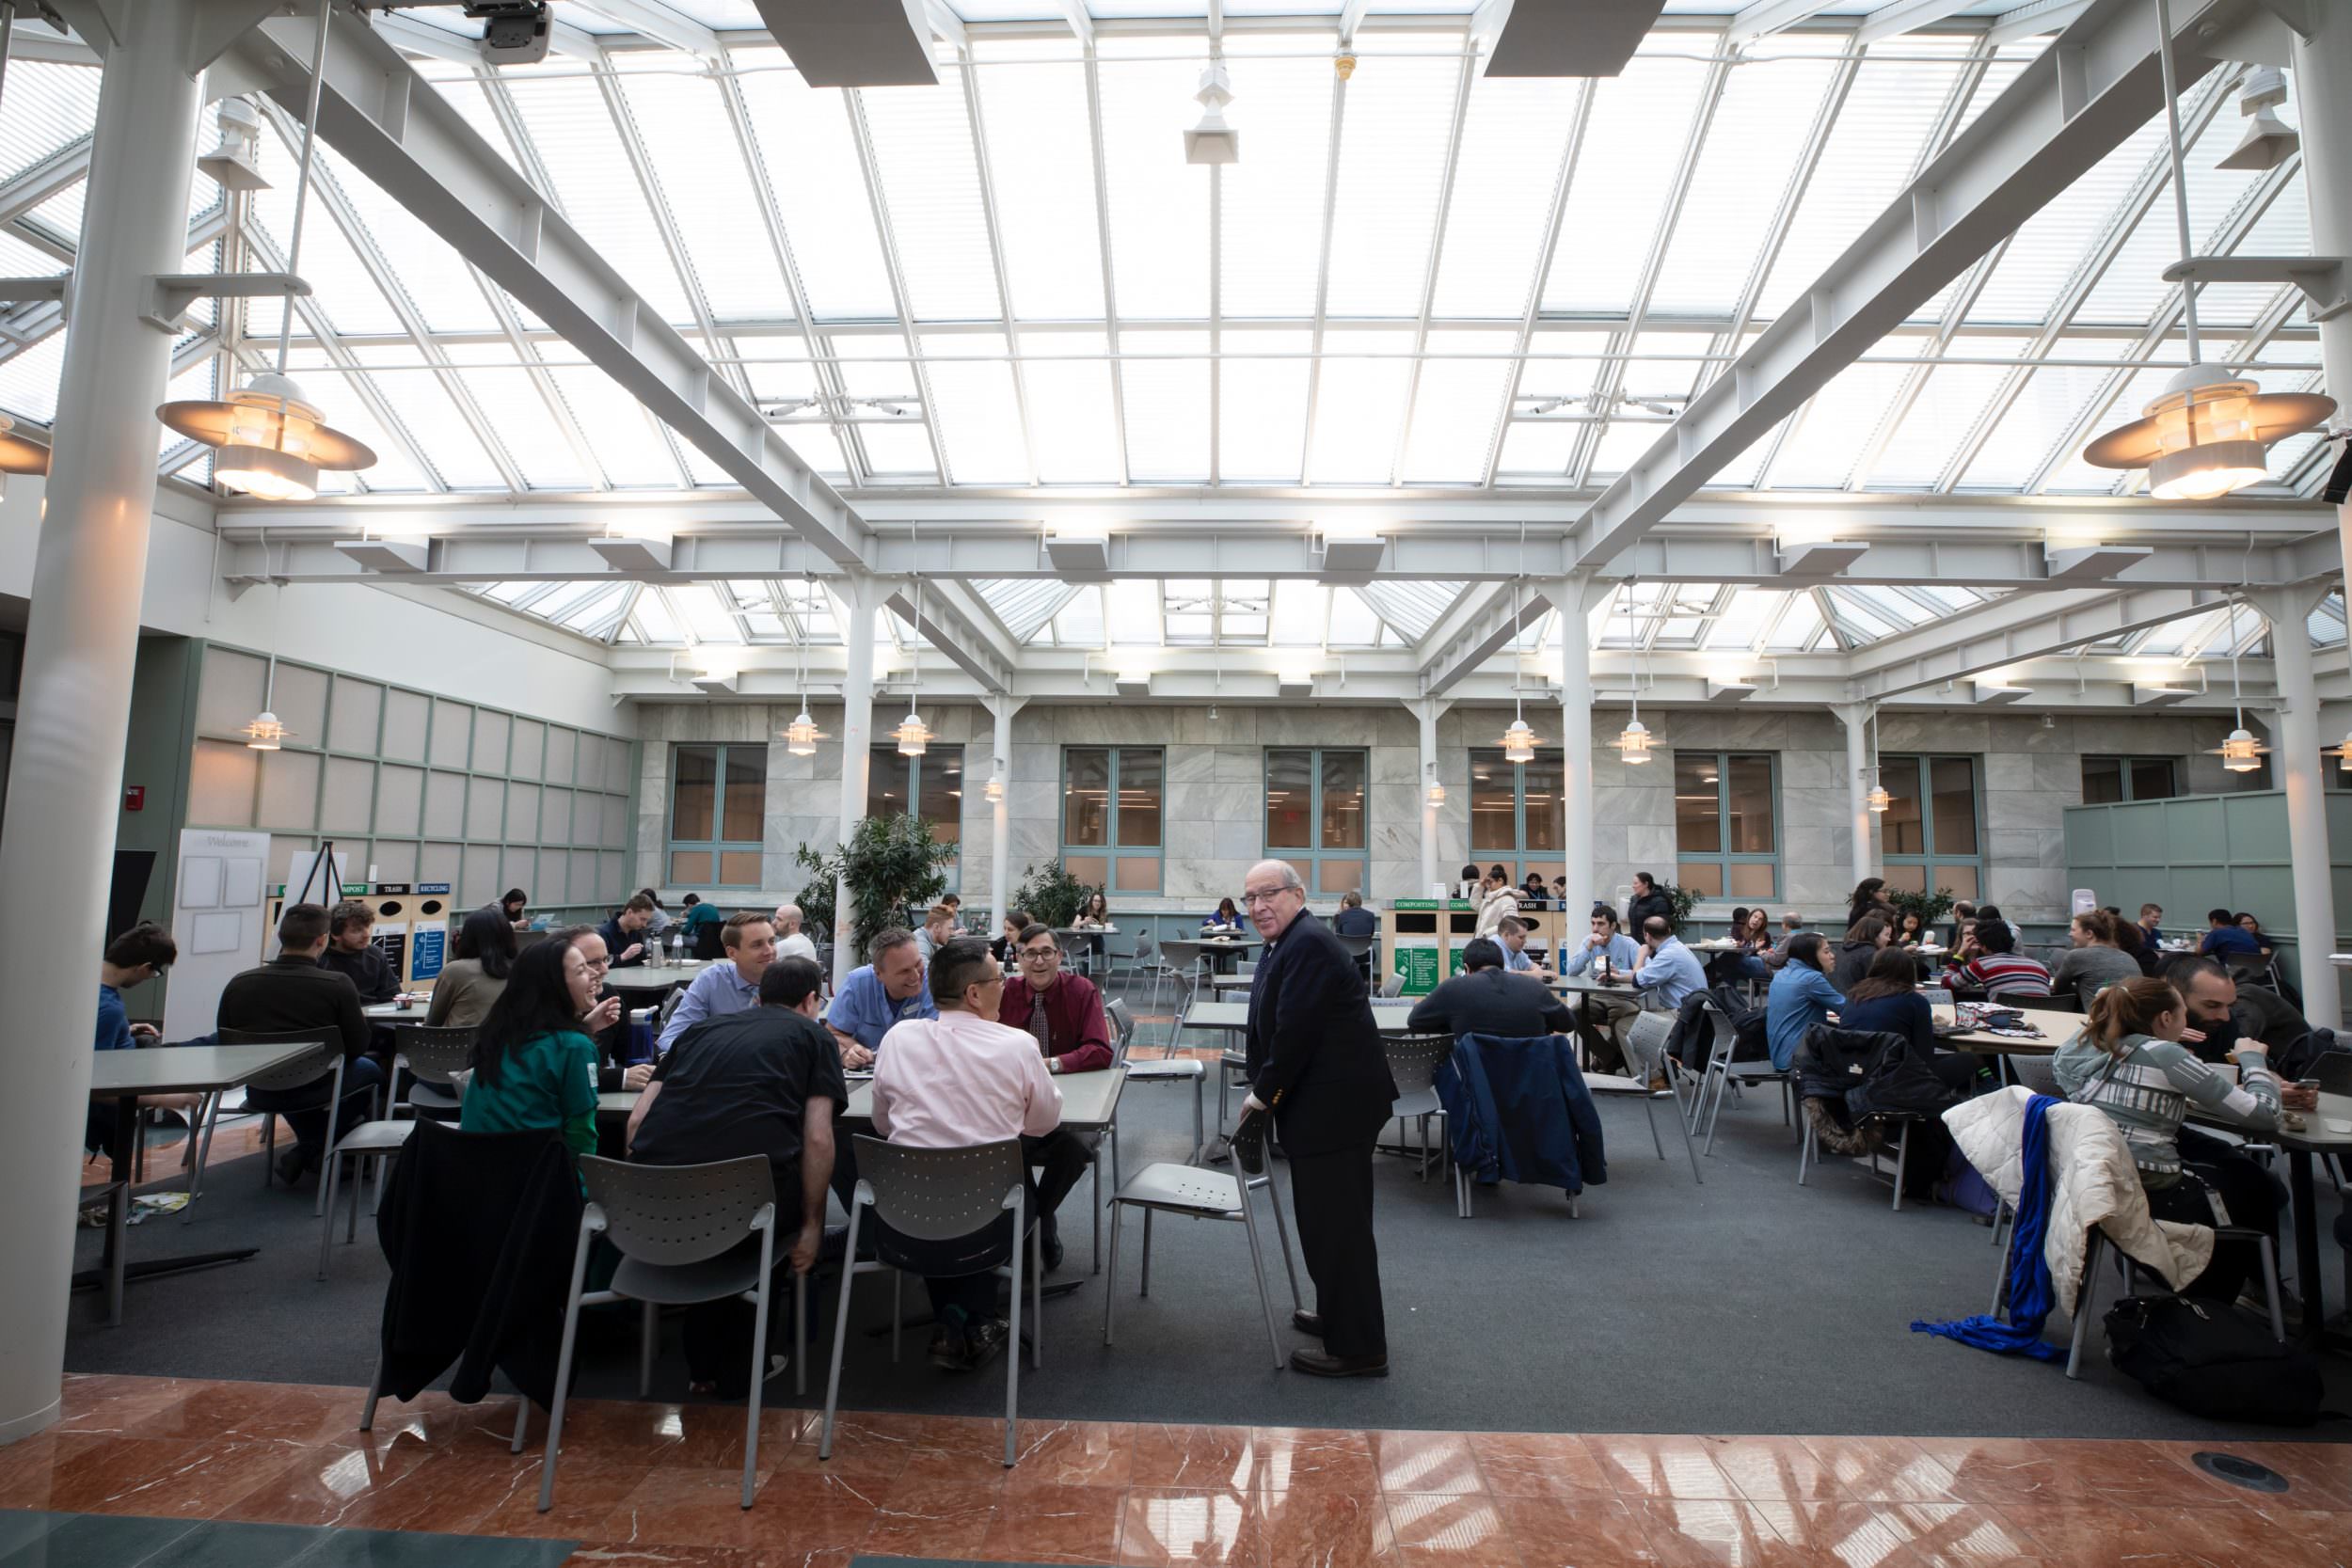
[291, 992]
[749, 941]
[2152, 925]
[1096, 916]
[1004, 947]
[625, 936]
[698, 917]
[1864, 939]
[467, 986]
[939, 928]
[1886, 1000]
[1605, 1038]
[2129, 1061]
[139, 954]
[534, 1064]
[1353, 919]
[1801, 996]
[1910, 931]
[603, 1023]
[1487, 999]
[954, 1078]
[877, 995]
[1664, 971]
[2096, 961]
[1227, 918]
[512, 906]
[1998, 967]
[1063, 1014]
[791, 941]
[659, 922]
[1512, 938]
[760, 1080]
[1791, 926]
[352, 954]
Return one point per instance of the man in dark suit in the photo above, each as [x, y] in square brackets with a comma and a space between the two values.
[1315, 1056]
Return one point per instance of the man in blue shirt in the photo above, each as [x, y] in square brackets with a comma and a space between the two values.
[749, 939]
[2227, 939]
[1513, 935]
[877, 995]
[1664, 968]
[1602, 1019]
[136, 957]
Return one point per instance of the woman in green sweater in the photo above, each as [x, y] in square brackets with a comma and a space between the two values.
[534, 1062]
[2129, 1061]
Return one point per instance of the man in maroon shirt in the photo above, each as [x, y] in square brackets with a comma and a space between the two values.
[1063, 1013]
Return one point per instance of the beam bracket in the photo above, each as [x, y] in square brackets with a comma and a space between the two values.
[2326, 280]
[170, 297]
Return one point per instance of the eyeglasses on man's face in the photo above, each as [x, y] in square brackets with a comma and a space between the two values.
[1253, 896]
[1039, 955]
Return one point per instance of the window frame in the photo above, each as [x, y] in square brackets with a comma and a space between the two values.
[953, 870]
[1724, 858]
[2124, 765]
[717, 848]
[1111, 851]
[1929, 859]
[1310, 860]
[1520, 859]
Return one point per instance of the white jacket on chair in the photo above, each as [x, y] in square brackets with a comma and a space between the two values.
[2092, 1182]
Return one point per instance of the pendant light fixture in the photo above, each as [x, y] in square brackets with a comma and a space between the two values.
[995, 790]
[1518, 742]
[802, 735]
[272, 441]
[1877, 800]
[1634, 741]
[2208, 431]
[264, 732]
[2240, 752]
[913, 736]
[1435, 792]
[2341, 753]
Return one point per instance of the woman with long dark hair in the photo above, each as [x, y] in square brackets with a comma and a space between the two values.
[1864, 939]
[1870, 897]
[534, 1064]
[470, 983]
[1886, 1000]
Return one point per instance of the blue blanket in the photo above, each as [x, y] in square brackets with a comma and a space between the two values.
[2031, 1293]
[1517, 1110]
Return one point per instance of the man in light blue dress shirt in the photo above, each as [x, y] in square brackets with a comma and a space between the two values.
[1602, 1018]
[730, 987]
[1664, 969]
[877, 995]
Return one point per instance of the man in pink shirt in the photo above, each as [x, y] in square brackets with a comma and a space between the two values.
[953, 1082]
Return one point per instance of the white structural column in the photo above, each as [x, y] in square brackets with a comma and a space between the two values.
[1572, 597]
[1857, 719]
[2296, 753]
[65, 769]
[2323, 93]
[1000, 819]
[861, 600]
[1428, 712]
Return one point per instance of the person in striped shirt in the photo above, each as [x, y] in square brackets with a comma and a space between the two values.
[2130, 1062]
[1998, 967]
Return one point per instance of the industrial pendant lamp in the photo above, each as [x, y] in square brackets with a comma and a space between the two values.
[1877, 800]
[1518, 742]
[2207, 433]
[1436, 793]
[264, 732]
[802, 735]
[1634, 741]
[2240, 752]
[995, 790]
[913, 736]
[272, 441]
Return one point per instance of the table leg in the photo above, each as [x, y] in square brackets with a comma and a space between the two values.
[120, 1160]
[2307, 1273]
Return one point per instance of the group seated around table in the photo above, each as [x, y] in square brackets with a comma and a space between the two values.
[1994, 963]
[473, 979]
[877, 995]
[1512, 935]
[1603, 1020]
[2097, 960]
[748, 940]
[1487, 999]
[293, 992]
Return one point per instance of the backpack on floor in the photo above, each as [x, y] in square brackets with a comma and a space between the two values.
[2213, 1361]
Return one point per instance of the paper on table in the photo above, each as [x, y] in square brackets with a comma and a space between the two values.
[199, 882]
[242, 888]
[216, 931]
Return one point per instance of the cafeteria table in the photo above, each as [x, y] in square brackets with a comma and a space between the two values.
[643, 980]
[123, 1076]
[2325, 1130]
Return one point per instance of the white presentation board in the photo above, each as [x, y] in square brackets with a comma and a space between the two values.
[217, 914]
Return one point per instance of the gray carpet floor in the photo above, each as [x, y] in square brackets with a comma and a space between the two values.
[1745, 1304]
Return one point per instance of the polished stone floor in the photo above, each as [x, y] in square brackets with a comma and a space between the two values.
[651, 1485]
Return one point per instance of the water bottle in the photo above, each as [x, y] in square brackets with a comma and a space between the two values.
[677, 948]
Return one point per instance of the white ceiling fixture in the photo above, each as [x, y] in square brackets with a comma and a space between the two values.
[1634, 741]
[265, 731]
[854, 43]
[2270, 141]
[1728, 694]
[1350, 560]
[1133, 683]
[1213, 141]
[1876, 800]
[2145, 694]
[384, 555]
[633, 557]
[2239, 751]
[716, 683]
[802, 735]
[231, 164]
[1080, 557]
[1820, 557]
[1569, 38]
[1997, 694]
[913, 734]
[1518, 742]
[2091, 563]
[1294, 683]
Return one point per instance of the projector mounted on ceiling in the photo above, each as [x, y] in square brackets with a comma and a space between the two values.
[514, 32]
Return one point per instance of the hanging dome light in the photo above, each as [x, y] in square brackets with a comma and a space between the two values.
[802, 735]
[1518, 742]
[2341, 753]
[272, 443]
[264, 732]
[18, 455]
[1437, 791]
[1878, 800]
[913, 734]
[1635, 743]
[2240, 752]
[995, 790]
[2207, 433]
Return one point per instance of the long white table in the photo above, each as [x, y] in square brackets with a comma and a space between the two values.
[1089, 1101]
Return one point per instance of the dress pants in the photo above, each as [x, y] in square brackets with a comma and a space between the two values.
[1062, 1159]
[305, 1106]
[1331, 1197]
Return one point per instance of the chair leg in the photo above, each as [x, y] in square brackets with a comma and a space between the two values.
[1147, 1249]
[1257, 1267]
[1012, 1350]
[1902, 1159]
[649, 1343]
[1649, 1113]
[522, 1421]
[1037, 1301]
[1804, 1151]
[840, 1332]
[334, 1126]
[1281, 1229]
[898, 1309]
[759, 1361]
[360, 1181]
[1110, 1285]
[2082, 1305]
[2270, 1287]
[326, 1193]
[800, 1335]
[562, 1374]
[203, 1152]
[1689, 1148]
[376, 1391]
[2000, 1269]
[1200, 1138]
[269, 1147]
[1095, 1205]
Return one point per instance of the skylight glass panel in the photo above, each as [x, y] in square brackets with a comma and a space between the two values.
[524, 425]
[2051, 247]
[2133, 286]
[1742, 472]
[1410, 607]
[28, 379]
[340, 398]
[196, 381]
[2283, 230]
[2038, 416]
[1829, 437]
[1457, 409]
[689, 136]
[1272, 217]
[1167, 404]
[574, 135]
[468, 96]
[899, 453]
[1022, 603]
[653, 618]
[1159, 204]
[1079, 622]
[1758, 134]
[341, 287]
[811, 161]
[1943, 416]
[1261, 428]
[974, 405]
[444, 435]
[2325, 626]
[590, 617]
[1621, 443]
[931, 192]
[700, 470]
[1743, 618]
[1360, 408]
[1040, 164]
[705, 618]
[1860, 616]
[1665, 368]
[1799, 628]
[2074, 474]
[1134, 612]
[1513, 140]
[1394, 141]
[47, 108]
[1881, 131]
[1538, 449]
[1301, 609]
[2009, 62]
[433, 277]
[1354, 624]
[62, 214]
[1625, 171]
[1072, 421]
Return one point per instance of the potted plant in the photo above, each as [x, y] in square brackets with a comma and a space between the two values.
[887, 864]
[1683, 900]
[1930, 906]
[815, 896]
[1051, 895]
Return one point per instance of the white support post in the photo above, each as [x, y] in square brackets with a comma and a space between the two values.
[1000, 841]
[74, 706]
[1426, 712]
[1571, 596]
[2296, 753]
[1857, 719]
[861, 598]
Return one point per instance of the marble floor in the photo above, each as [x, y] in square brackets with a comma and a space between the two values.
[651, 1485]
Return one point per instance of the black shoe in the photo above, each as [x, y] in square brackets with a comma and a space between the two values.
[291, 1165]
[949, 1351]
[982, 1342]
[1315, 1363]
[1050, 1245]
[1307, 1322]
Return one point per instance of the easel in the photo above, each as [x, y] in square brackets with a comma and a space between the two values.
[322, 867]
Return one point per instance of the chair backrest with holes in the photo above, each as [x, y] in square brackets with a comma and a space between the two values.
[434, 1054]
[673, 1215]
[1394, 984]
[1123, 1026]
[1147, 947]
[936, 1194]
[1414, 1060]
[2038, 1073]
[303, 1069]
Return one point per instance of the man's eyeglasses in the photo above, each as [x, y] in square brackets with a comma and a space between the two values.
[1267, 896]
[1039, 955]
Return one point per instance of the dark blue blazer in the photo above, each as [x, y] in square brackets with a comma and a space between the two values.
[1517, 1110]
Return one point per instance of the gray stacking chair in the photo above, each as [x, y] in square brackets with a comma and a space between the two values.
[376, 1144]
[938, 1195]
[1644, 1049]
[1413, 1062]
[433, 1057]
[1722, 1075]
[1201, 1195]
[1149, 959]
[292, 1075]
[1168, 1068]
[673, 1227]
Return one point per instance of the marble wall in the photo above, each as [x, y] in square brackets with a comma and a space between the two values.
[1212, 805]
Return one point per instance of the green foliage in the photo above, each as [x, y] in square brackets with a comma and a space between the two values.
[815, 896]
[889, 864]
[1930, 906]
[1051, 895]
[1683, 900]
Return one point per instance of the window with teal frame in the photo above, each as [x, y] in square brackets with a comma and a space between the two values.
[718, 815]
[931, 786]
[1727, 824]
[1315, 803]
[1112, 799]
[1933, 831]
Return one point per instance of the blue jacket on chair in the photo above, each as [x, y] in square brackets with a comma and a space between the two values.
[1519, 1111]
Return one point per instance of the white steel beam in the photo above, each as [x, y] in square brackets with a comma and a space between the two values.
[1905, 16]
[658, 22]
[2070, 107]
[948, 625]
[2009, 631]
[67, 167]
[1474, 631]
[1767, 17]
[2033, 20]
[396, 129]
